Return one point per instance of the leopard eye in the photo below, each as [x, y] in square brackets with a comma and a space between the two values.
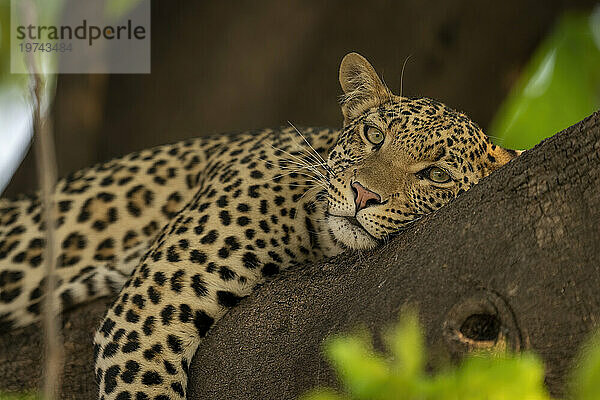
[374, 135]
[438, 175]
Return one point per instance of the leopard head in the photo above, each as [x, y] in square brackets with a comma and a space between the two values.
[398, 159]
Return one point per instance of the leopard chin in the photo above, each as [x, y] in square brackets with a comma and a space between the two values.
[350, 233]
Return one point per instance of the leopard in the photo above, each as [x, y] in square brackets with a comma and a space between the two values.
[179, 234]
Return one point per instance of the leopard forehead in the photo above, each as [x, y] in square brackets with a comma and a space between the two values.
[419, 128]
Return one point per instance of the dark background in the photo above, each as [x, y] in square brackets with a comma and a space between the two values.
[219, 66]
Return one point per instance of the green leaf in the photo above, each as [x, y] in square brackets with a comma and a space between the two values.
[322, 394]
[498, 377]
[406, 343]
[559, 87]
[481, 376]
[116, 9]
[363, 372]
[585, 384]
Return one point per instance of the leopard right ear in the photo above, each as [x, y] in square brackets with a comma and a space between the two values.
[361, 85]
[496, 157]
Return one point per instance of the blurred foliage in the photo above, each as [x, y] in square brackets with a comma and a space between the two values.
[114, 10]
[559, 87]
[4, 40]
[12, 396]
[15, 96]
[585, 380]
[44, 12]
[47, 12]
[366, 374]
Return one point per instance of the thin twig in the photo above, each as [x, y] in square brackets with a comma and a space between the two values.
[46, 166]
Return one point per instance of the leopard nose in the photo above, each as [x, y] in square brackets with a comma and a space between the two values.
[363, 197]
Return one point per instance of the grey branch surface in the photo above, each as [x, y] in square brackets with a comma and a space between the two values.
[523, 245]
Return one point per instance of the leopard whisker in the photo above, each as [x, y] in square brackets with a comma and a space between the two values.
[289, 161]
[310, 156]
[298, 159]
[306, 172]
[303, 173]
[311, 185]
[299, 164]
[318, 156]
[402, 80]
[305, 193]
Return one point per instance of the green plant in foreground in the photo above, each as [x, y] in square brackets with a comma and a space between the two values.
[366, 374]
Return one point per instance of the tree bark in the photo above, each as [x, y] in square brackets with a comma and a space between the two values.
[522, 247]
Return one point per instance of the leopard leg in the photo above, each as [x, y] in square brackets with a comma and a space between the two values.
[245, 223]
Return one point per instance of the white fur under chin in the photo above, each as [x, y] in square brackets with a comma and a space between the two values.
[350, 235]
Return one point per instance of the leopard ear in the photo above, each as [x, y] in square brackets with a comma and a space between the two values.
[498, 156]
[361, 85]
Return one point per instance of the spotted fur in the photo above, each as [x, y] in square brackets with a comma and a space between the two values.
[183, 232]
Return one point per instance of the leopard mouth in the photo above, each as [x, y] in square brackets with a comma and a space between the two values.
[349, 232]
[354, 221]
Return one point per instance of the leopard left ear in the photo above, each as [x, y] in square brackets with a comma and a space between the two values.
[361, 85]
[498, 156]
